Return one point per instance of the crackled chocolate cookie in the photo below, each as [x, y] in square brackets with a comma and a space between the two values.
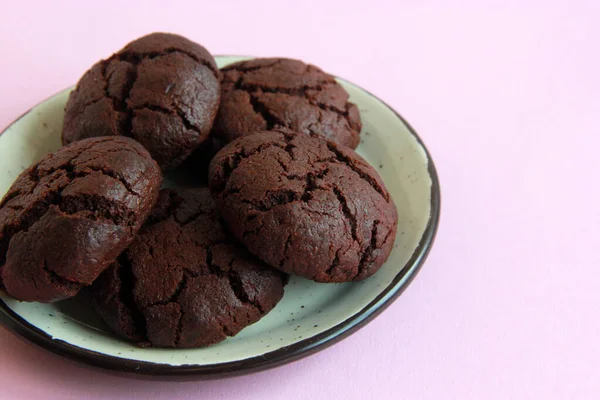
[184, 282]
[304, 205]
[162, 90]
[267, 93]
[67, 218]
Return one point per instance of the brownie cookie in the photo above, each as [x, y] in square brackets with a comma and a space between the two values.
[67, 218]
[267, 93]
[162, 90]
[305, 205]
[184, 282]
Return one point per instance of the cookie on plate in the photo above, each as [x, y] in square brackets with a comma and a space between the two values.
[306, 206]
[68, 217]
[267, 93]
[184, 282]
[162, 90]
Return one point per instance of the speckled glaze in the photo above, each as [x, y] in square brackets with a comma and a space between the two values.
[310, 316]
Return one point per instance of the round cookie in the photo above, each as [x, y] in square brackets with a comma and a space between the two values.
[162, 90]
[304, 205]
[67, 218]
[184, 282]
[267, 93]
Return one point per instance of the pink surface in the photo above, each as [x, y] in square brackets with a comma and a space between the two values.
[506, 97]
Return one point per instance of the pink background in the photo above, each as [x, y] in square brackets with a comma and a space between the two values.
[507, 98]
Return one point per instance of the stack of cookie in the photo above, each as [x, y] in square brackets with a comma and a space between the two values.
[187, 267]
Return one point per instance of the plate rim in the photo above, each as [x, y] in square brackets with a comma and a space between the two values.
[303, 348]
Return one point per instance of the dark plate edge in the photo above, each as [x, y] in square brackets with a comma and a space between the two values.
[284, 355]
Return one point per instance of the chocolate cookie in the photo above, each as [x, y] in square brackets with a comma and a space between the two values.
[184, 282]
[162, 90]
[67, 218]
[267, 93]
[304, 205]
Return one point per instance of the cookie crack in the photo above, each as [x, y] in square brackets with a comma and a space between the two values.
[11, 195]
[387, 236]
[23, 223]
[241, 66]
[281, 197]
[289, 148]
[232, 277]
[192, 218]
[286, 247]
[213, 269]
[272, 199]
[368, 252]
[128, 283]
[132, 150]
[83, 147]
[237, 287]
[60, 280]
[248, 232]
[270, 119]
[70, 172]
[282, 165]
[319, 213]
[350, 217]
[336, 260]
[155, 108]
[94, 101]
[174, 297]
[363, 175]
[81, 208]
[334, 263]
[120, 105]
[299, 91]
[170, 210]
[311, 183]
[186, 122]
[110, 174]
[330, 108]
[179, 328]
[176, 113]
[117, 104]
[224, 328]
[136, 57]
[232, 162]
[36, 175]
